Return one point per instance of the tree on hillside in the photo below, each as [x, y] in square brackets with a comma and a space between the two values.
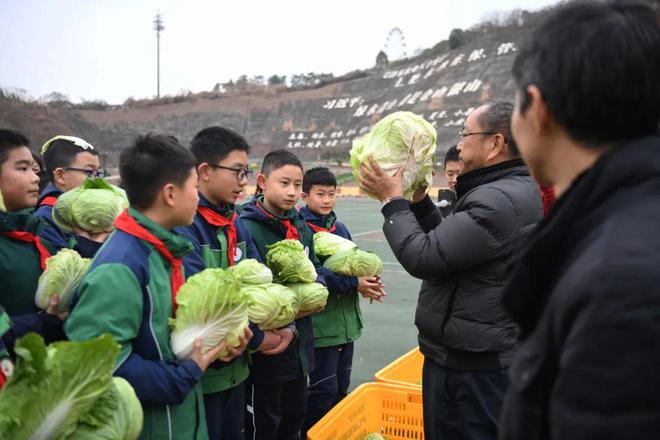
[15, 94]
[54, 98]
[93, 104]
[277, 79]
[256, 81]
[440, 47]
[381, 59]
[241, 82]
[309, 79]
[456, 38]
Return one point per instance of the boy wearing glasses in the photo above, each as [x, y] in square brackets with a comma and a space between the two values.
[221, 241]
[69, 160]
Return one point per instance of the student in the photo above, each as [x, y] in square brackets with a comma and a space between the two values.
[277, 389]
[340, 323]
[452, 166]
[131, 287]
[23, 253]
[447, 198]
[221, 240]
[69, 161]
[40, 169]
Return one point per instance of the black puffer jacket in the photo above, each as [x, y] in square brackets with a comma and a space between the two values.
[586, 294]
[463, 261]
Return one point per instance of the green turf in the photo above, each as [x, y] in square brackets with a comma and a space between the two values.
[389, 329]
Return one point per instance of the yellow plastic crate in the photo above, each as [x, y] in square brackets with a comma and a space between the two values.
[390, 410]
[406, 371]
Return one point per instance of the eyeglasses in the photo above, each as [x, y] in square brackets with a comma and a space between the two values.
[462, 135]
[241, 173]
[90, 173]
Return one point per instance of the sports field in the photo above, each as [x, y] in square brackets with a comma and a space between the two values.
[389, 329]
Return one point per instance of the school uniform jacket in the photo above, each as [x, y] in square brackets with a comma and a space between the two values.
[210, 243]
[127, 293]
[340, 322]
[298, 359]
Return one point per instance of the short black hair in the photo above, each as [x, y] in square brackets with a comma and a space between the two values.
[10, 140]
[213, 144]
[277, 159]
[497, 119]
[62, 153]
[451, 155]
[597, 66]
[150, 163]
[318, 176]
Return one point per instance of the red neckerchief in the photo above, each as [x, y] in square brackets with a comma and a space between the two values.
[29, 237]
[320, 229]
[129, 225]
[48, 201]
[291, 231]
[216, 219]
[548, 197]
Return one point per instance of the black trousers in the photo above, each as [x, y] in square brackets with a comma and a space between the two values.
[225, 413]
[276, 412]
[328, 383]
[462, 405]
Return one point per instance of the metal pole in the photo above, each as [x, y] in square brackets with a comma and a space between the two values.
[158, 64]
[158, 26]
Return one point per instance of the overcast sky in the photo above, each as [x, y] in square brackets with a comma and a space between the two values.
[106, 49]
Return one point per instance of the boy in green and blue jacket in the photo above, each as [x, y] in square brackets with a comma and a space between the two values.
[277, 388]
[339, 325]
[130, 289]
[221, 241]
[23, 253]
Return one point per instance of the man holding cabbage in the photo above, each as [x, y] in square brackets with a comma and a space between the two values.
[465, 335]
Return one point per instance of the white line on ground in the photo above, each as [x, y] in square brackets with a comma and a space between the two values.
[366, 232]
[395, 271]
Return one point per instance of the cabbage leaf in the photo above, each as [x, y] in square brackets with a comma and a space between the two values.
[63, 273]
[212, 305]
[92, 207]
[250, 271]
[401, 139]
[271, 305]
[356, 263]
[311, 296]
[289, 262]
[327, 243]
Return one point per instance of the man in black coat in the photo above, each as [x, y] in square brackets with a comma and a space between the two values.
[586, 291]
[466, 337]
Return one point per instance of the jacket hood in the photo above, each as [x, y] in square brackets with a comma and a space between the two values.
[254, 210]
[324, 221]
[49, 191]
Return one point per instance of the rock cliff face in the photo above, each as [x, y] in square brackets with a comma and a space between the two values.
[315, 123]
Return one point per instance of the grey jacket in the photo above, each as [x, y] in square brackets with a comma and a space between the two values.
[463, 261]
